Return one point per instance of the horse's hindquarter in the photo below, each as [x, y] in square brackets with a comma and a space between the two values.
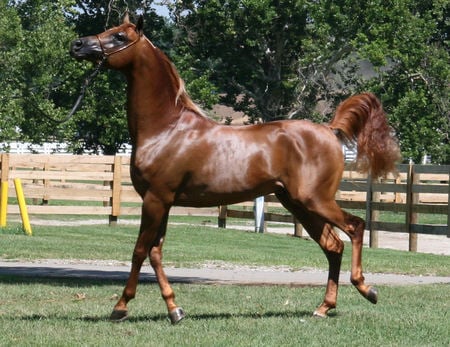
[318, 171]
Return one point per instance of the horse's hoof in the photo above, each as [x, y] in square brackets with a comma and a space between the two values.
[176, 315]
[372, 295]
[317, 314]
[118, 316]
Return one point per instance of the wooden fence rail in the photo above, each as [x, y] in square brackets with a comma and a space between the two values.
[100, 185]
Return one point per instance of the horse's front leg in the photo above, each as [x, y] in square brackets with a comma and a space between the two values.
[176, 314]
[152, 229]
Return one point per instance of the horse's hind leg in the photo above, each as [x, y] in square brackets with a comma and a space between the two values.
[355, 230]
[333, 248]
[330, 243]
[353, 226]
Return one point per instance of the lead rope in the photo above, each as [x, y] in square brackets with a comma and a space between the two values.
[86, 83]
[80, 98]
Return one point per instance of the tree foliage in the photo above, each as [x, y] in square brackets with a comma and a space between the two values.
[269, 58]
[300, 58]
[250, 48]
[11, 37]
[408, 46]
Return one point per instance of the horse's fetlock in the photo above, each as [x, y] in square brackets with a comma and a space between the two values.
[170, 295]
[357, 281]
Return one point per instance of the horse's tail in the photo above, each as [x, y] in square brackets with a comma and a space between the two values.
[361, 118]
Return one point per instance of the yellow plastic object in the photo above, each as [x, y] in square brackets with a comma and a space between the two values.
[22, 207]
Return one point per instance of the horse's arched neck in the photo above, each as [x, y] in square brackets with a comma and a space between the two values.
[151, 93]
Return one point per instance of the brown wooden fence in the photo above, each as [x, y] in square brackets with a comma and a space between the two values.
[418, 192]
[76, 185]
[100, 185]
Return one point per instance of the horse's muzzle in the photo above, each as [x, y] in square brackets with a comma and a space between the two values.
[87, 48]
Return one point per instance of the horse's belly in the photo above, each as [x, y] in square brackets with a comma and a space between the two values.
[204, 197]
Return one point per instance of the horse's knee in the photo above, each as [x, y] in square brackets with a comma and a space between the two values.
[358, 224]
[155, 257]
[139, 256]
[155, 254]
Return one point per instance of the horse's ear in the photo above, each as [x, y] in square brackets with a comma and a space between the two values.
[126, 18]
[140, 25]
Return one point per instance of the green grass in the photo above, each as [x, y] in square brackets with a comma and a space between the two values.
[189, 246]
[74, 312]
[40, 312]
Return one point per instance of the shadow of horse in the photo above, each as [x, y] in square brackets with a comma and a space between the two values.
[291, 314]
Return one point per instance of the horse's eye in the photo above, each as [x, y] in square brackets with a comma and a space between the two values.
[121, 36]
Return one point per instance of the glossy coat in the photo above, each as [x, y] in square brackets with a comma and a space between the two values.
[181, 157]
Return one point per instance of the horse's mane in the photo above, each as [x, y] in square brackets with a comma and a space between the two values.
[182, 97]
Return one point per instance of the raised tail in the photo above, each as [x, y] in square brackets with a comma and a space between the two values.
[361, 118]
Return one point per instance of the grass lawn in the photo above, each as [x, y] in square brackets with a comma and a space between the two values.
[189, 246]
[74, 313]
[51, 312]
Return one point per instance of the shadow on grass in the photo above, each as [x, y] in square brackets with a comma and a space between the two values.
[99, 281]
[162, 317]
[59, 281]
[75, 277]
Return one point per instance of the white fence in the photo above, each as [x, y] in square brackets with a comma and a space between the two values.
[45, 148]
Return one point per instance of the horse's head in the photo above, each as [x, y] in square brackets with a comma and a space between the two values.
[114, 45]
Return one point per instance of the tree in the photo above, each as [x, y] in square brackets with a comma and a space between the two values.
[36, 68]
[408, 46]
[269, 58]
[298, 59]
[249, 48]
[11, 38]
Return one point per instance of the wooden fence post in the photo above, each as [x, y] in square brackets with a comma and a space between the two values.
[4, 177]
[46, 185]
[411, 200]
[222, 219]
[448, 207]
[4, 170]
[298, 228]
[375, 216]
[370, 214]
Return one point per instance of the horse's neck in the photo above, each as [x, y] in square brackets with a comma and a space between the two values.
[151, 105]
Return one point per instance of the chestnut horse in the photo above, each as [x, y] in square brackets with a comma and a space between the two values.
[181, 157]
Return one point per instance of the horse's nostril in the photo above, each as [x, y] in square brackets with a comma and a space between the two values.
[75, 47]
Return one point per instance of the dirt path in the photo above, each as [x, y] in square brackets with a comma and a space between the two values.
[207, 274]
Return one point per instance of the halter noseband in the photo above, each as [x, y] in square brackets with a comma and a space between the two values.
[106, 54]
